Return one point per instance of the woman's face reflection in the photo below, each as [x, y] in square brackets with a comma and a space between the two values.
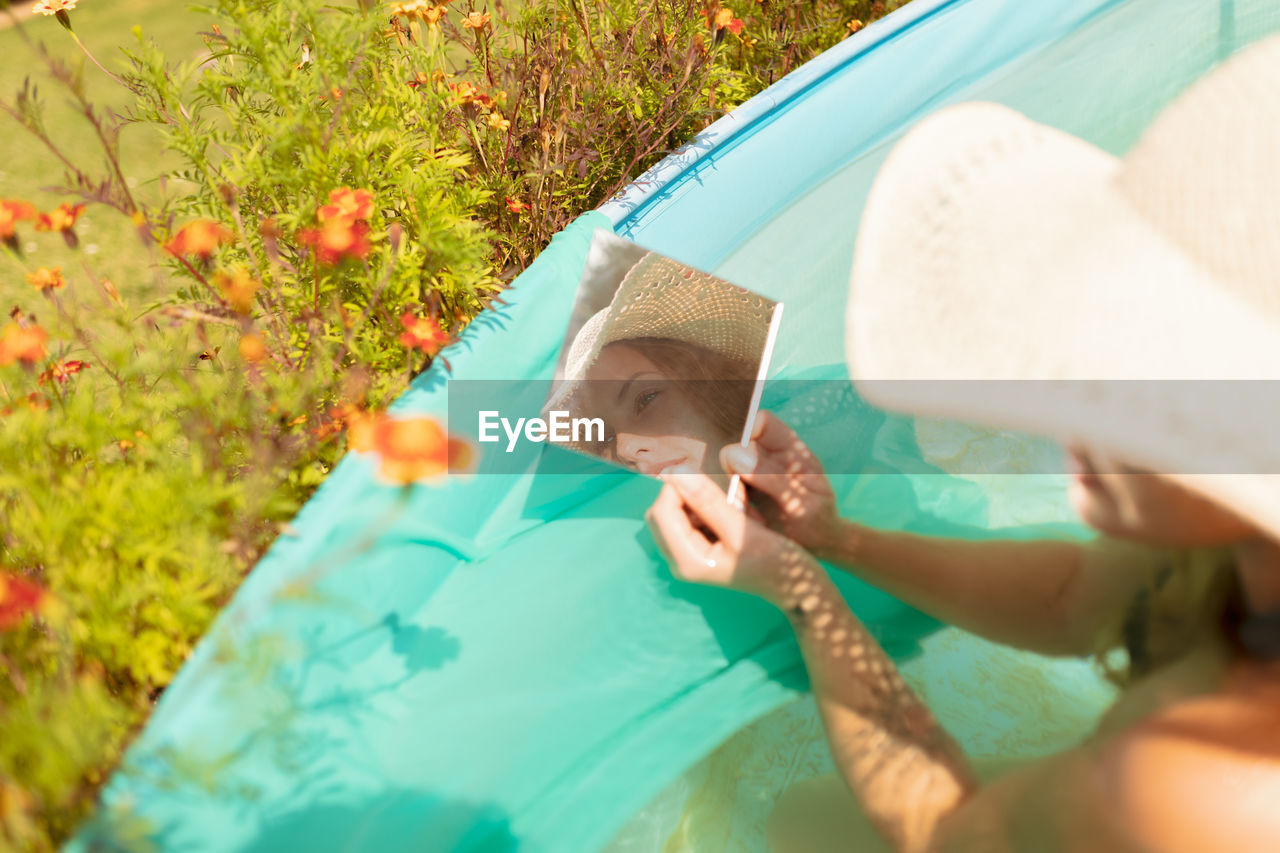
[651, 423]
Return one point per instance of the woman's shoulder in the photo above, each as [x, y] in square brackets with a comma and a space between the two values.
[1189, 761]
[1201, 772]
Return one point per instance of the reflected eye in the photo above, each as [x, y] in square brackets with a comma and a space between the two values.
[645, 398]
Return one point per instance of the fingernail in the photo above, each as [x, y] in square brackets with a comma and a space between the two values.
[672, 475]
[741, 459]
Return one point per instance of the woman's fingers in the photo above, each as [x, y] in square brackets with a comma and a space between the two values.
[772, 434]
[761, 470]
[737, 459]
[701, 494]
[684, 545]
[779, 442]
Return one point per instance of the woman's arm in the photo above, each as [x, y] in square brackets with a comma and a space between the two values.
[1049, 596]
[899, 762]
[903, 768]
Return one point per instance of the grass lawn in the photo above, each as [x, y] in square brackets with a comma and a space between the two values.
[28, 169]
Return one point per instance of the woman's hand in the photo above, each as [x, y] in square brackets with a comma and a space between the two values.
[707, 540]
[798, 499]
[905, 770]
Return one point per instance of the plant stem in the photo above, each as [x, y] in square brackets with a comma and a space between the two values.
[94, 59]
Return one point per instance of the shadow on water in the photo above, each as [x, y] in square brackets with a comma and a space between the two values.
[388, 819]
[397, 819]
[276, 759]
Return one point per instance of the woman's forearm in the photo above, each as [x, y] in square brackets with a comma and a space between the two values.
[1047, 596]
[904, 769]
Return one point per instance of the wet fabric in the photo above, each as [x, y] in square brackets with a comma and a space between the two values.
[503, 661]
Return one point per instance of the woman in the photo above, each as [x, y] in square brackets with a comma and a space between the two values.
[666, 403]
[992, 249]
[668, 366]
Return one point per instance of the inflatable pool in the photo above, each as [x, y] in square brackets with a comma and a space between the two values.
[502, 661]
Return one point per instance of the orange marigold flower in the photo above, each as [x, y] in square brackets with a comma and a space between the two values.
[238, 288]
[200, 238]
[326, 429]
[433, 15]
[22, 343]
[336, 239]
[422, 333]
[854, 25]
[475, 20]
[464, 93]
[53, 7]
[410, 449]
[47, 278]
[12, 212]
[19, 598]
[110, 289]
[346, 203]
[342, 417]
[360, 427]
[497, 122]
[252, 348]
[723, 19]
[412, 9]
[61, 371]
[516, 206]
[61, 218]
[34, 401]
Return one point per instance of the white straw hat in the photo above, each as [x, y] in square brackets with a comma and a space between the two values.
[660, 298]
[995, 248]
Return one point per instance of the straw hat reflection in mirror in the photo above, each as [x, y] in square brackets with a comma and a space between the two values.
[996, 248]
[669, 365]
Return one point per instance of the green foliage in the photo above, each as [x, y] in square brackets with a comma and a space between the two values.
[343, 172]
[596, 92]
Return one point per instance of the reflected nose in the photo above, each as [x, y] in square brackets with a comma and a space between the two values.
[634, 448]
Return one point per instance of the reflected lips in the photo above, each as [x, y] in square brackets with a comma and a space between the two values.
[657, 469]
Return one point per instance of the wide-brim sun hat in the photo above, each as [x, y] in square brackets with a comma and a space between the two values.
[661, 298]
[996, 248]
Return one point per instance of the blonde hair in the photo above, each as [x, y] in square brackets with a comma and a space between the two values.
[1189, 596]
[722, 384]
